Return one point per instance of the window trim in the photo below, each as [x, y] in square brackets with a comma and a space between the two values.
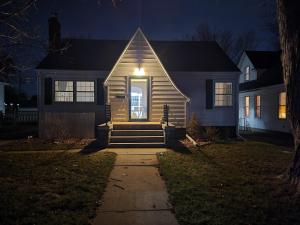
[75, 91]
[54, 91]
[256, 107]
[278, 113]
[247, 73]
[214, 94]
[245, 114]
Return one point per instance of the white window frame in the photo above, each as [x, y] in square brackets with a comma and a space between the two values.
[280, 104]
[56, 91]
[246, 107]
[223, 94]
[85, 91]
[257, 107]
[247, 73]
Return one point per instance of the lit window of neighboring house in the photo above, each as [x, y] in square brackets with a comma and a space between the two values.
[257, 106]
[247, 73]
[223, 94]
[247, 106]
[85, 91]
[64, 91]
[282, 105]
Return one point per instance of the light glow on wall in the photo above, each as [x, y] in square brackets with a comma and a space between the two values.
[139, 72]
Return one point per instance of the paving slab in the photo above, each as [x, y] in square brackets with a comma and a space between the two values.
[135, 188]
[135, 193]
[136, 218]
[137, 160]
[136, 151]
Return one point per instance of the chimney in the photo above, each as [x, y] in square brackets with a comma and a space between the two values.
[54, 33]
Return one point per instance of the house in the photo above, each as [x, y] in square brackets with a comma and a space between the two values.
[262, 92]
[2, 106]
[135, 78]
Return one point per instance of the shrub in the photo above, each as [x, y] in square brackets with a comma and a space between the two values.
[193, 127]
[212, 133]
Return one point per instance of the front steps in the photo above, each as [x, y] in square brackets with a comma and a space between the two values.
[137, 135]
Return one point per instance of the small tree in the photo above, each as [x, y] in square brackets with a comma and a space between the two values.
[194, 128]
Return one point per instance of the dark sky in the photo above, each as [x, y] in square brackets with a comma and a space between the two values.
[160, 19]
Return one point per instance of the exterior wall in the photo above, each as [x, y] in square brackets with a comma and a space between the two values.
[244, 62]
[162, 91]
[78, 119]
[2, 107]
[269, 109]
[193, 84]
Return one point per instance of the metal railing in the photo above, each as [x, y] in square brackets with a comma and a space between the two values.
[165, 118]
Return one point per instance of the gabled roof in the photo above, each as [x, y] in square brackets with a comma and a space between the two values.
[87, 54]
[272, 73]
[263, 59]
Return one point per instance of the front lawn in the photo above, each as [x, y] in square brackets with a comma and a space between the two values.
[233, 183]
[52, 188]
[37, 144]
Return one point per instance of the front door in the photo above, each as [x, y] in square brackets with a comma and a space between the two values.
[138, 102]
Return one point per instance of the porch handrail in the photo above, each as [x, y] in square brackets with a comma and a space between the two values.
[166, 114]
[107, 113]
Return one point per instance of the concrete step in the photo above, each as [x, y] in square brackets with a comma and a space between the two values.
[137, 127]
[136, 139]
[137, 133]
[137, 145]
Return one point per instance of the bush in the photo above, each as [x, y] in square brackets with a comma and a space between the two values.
[193, 127]
[212, 133]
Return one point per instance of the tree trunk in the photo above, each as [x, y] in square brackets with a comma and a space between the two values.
[288, 14]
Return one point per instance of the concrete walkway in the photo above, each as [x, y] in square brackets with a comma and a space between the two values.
[135, 193]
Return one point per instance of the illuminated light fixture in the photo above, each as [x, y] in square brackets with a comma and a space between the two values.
[139, 72]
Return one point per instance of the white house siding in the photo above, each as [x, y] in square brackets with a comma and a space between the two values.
[75, 119]
[162, 91]
[244, 62]
[269, 109]
[2, 107]
[193, 84]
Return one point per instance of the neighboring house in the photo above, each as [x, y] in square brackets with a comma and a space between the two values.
[2, 106]
[262, 92]
[136, 78]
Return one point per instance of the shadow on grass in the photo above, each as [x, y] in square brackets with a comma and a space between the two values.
[181, 148]
[92, 147]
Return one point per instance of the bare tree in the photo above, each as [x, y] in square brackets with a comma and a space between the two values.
[232, 45]
[13, 31]
[288, 13]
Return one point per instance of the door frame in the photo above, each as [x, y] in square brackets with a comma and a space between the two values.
[129, 99]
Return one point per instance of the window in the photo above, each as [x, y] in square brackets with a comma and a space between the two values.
[223, 94]
[85, 91]
[282, 105]
[257, 106]
[247, 73]
[64, 91]
[247, 106]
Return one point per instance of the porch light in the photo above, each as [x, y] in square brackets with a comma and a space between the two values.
[139, 72]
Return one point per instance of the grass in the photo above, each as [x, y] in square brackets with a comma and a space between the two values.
[52, 188]
[36, 144]
[230, 183]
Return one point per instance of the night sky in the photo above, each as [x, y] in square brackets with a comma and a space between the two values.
[159, 19]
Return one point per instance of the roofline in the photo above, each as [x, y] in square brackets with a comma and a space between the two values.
[166, 73]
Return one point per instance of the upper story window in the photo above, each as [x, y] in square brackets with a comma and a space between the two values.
[64, 91]
[257, 106]
[247, 73]
[282, 105]
[223, 94]
[85, 91]
[247, 106]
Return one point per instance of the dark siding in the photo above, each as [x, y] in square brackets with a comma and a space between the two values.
[48, 91]
[100, 92]
[209, 94]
